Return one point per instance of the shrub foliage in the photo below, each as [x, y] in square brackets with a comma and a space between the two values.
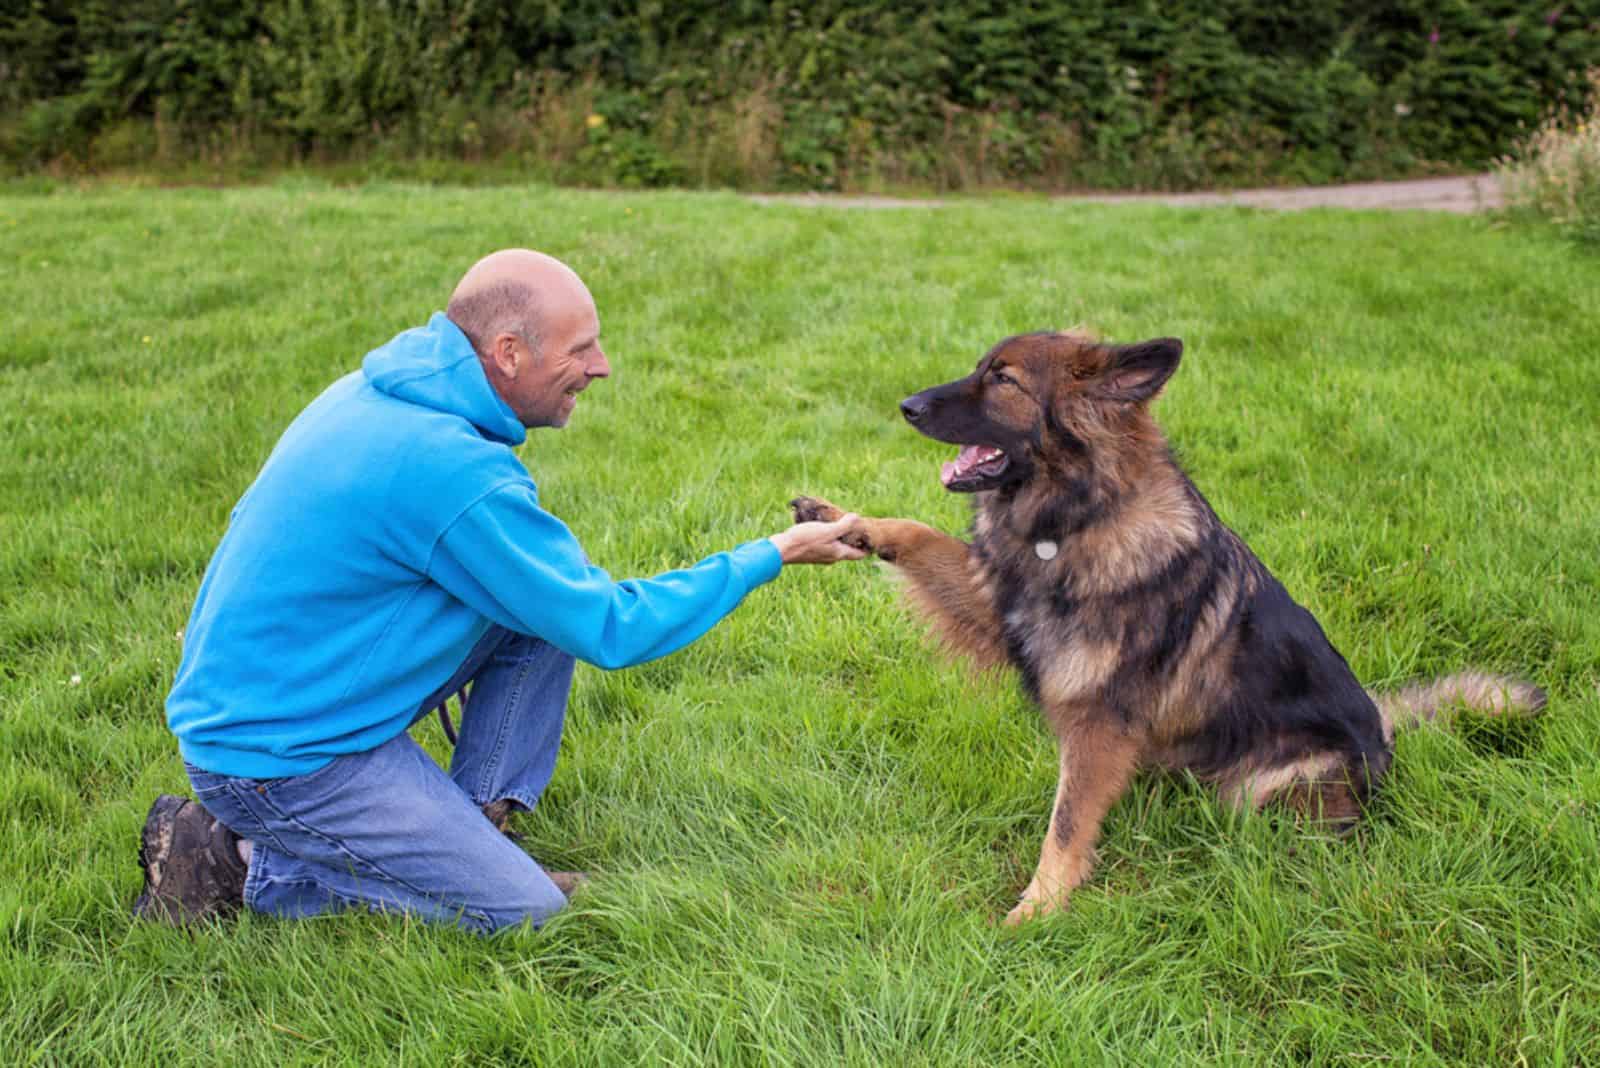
[823, 95]
[1555, 173]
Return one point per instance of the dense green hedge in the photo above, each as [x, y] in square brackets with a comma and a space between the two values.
[839, 92]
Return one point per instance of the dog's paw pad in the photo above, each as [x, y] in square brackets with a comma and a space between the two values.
[814, 510]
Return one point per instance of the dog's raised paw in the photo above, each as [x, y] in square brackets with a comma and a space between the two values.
[814, 510]
[817, 510]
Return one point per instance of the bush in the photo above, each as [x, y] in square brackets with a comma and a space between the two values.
[1555, 173]
[826, 95]
[335, 72]
[50, 130]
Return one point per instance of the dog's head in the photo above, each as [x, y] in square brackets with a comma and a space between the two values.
[1041, 401]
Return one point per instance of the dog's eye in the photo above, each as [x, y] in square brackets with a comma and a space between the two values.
[1002, 378]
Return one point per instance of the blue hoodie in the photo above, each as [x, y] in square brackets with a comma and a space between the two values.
[390, 527]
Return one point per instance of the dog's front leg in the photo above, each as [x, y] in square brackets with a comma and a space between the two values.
[940, 573]
[1098, 757]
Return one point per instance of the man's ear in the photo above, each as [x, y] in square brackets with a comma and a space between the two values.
[503, 351]
[1135, 373]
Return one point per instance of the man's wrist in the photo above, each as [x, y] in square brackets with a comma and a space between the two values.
[760, 561]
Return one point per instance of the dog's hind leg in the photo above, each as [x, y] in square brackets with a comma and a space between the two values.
[1097, 760]
[940, 573]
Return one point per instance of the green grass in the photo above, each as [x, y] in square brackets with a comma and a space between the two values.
[808, 822]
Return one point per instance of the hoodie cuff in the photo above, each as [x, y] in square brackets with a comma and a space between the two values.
[758, 561]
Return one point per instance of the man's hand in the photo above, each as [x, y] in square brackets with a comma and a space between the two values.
[817, 543]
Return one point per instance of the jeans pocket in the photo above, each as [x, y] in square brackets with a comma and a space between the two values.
[252, 808]
[207, 784]
[223, 797]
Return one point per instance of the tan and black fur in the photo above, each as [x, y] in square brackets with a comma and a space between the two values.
[1147, 632]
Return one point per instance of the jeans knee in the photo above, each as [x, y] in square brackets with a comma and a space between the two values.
[535, 912]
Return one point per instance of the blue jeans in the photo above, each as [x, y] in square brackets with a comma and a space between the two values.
[389, 830]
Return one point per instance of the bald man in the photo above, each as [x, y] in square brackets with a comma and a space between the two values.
[391, 552]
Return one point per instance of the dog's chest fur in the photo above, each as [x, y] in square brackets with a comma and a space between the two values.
[1131, 614]
[1067, 645]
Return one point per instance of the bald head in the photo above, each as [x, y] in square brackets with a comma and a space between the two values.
[533, 324]
[507, 292]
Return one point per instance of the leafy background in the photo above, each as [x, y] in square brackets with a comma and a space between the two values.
[829, 95]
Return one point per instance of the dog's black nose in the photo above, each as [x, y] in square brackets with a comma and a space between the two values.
[914, 408]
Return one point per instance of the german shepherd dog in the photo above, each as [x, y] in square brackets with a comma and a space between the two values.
[1146, 631]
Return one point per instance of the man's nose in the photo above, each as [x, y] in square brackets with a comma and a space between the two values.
[914, 408]
[599, 366]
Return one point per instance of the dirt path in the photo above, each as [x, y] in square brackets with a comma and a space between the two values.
[1473, 193]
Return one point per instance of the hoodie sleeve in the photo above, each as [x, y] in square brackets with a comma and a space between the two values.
[521, 567]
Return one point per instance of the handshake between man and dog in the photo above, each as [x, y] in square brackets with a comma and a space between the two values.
[1146, 631]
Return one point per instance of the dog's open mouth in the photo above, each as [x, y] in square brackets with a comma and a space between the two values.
[974, 468]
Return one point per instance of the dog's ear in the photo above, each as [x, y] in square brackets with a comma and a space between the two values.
[1135, 373]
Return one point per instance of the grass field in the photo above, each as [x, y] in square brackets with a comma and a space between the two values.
[808, 824]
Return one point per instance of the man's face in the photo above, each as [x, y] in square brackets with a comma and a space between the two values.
[548, 382]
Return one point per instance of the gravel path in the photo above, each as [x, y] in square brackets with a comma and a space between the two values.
[1473, 193]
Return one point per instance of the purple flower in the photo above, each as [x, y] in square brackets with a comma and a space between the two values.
[1433, 38]
[1550, 19]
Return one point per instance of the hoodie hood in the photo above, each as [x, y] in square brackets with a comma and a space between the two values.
[435, 366]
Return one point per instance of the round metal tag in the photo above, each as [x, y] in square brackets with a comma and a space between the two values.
[1045, 550]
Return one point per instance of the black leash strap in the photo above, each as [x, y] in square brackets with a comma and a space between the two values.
[444, 714]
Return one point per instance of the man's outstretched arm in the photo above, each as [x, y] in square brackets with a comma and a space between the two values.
[520, 566]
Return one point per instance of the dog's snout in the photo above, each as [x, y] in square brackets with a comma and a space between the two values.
[914, 408]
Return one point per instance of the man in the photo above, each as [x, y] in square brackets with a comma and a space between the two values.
[391, 551]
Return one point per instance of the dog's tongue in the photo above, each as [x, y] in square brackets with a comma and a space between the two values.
[969, 457]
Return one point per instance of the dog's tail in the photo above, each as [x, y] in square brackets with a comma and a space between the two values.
[1489, 695]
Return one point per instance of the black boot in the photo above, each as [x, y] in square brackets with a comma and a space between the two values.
[500, 812]
[192, 869]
